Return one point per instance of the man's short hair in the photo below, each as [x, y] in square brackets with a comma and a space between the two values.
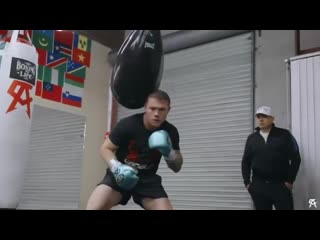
[161, 95]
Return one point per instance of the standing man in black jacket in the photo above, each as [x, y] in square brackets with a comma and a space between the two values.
[272, 155]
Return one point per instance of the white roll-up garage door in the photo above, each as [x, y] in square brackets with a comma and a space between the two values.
[211, 88]
[52, 176]
[305, 118]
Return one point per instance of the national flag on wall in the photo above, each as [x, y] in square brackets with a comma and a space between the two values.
[81, 57]
[3, 33]
[42, 60]
[56, 60]
[76, 69]
[72, 95]
[49, 33]
[43, 39]
[39, 81]
[82, 43]
[23, 34]
[62, 49]
[38, 88]
[51, 92]
[81, 50]
[74, 80]
[40, 72]
[52, 81]
[53, 76]
[64, 37]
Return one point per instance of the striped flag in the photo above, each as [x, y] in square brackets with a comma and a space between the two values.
[56, 60]
[43, 54]
[52, 84]
[38, 91]
[53, 76]
[62, 50]
[72, 95]
[76, 69]
[74, 80]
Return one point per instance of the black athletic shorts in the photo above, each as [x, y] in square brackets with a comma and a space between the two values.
[148, 186]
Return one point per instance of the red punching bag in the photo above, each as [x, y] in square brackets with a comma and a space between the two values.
[138, 68]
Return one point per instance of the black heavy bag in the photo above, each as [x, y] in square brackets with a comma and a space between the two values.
[138, 68]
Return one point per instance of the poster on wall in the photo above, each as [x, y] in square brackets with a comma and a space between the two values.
[64, 57]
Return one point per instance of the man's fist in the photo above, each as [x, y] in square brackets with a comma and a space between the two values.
[125, 175]
[160, 140]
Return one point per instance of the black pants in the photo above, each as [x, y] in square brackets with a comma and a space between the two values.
[148, 186]
[267, 194]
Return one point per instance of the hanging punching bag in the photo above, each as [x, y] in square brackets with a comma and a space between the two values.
[18, 74]
[138, 68]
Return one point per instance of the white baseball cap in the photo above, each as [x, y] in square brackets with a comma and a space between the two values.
[266, 110]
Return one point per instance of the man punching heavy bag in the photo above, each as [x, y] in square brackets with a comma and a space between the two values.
[138, 68]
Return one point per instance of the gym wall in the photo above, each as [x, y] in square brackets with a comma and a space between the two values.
[94, 109]
[272, 47]
[271, 83]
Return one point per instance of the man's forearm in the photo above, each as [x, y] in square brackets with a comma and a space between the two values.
[174, 160]
[107, 155]
[246, 170]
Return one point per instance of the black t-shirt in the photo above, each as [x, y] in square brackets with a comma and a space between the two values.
[132, 137]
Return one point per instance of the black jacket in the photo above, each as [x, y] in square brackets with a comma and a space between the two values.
[277, 160]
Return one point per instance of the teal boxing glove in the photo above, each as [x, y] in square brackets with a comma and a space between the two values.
[160, 140]
[125, 175]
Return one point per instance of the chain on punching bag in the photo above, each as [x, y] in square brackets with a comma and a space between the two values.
[138, 68]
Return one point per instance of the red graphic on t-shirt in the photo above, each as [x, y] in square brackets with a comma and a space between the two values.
[133, 151]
